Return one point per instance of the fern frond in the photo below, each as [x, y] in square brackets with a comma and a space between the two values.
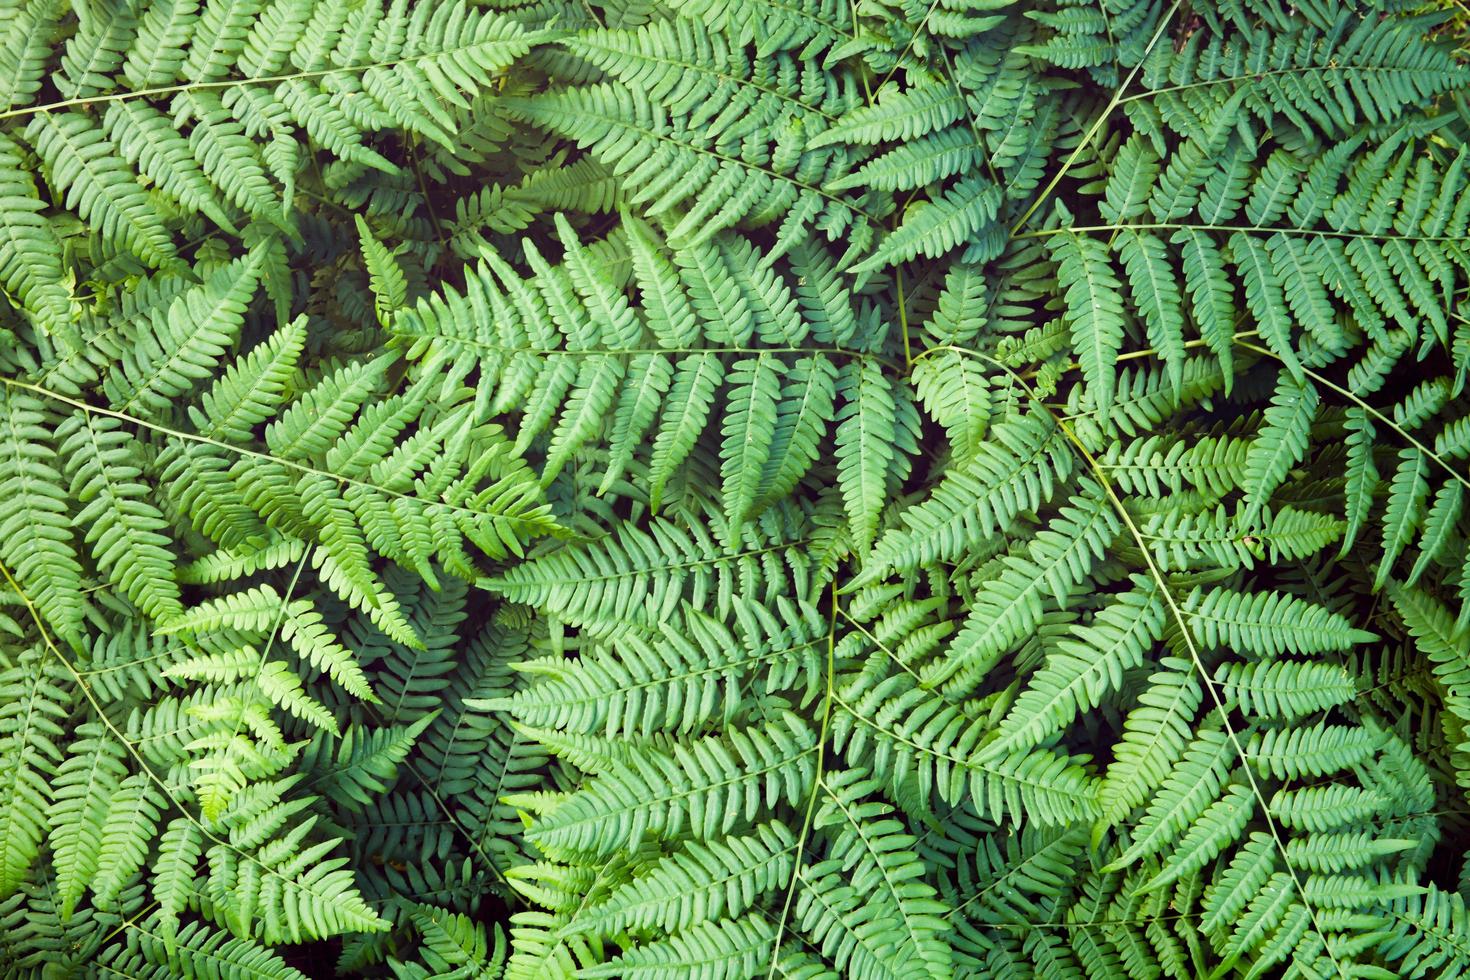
[677, 679]
[1408, 495]
[641, 576]
[1281, 443]
[35, 525]
[961, 214]
[81, 810]
[32, 711]
[30, 249]
[698, 883]
[1094, 311]
[1287, 688]
[705, 786]
[123, 527]
[722, 950]
[1011, 604]
[1080, 671]
[97, 183]
[924, 742]
[1268, 623]
[194, 950]
[1016, 469]
[1155, 736]
[173, 352]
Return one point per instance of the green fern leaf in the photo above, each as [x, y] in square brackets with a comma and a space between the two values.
[134, 810]
[1268, 623]
[30, 250]
[730, 949]
[888, 874]
[1011, 605]
[35, 528]
[1362, 475]
[85, 167]
[251, 389]
[955, 391]
[801, 422]
[390, 289]
[173, 876]
[747, 430]
[1266, 299]
[1017, 469]
[864, 447]
[704, 787]
[698, 883]
[1439, 527]
[173, 352]
[1312, 752]
[1156, 297]
[32, 711]
[1210, 294]
[1281, 443]
[366, 762]
[1078, 674]
[934, 227]
[767, 489]
[149, 140]
[1193, 783]
[1287, 688]
[81, 809]
[27, 45]
[1155, 735]
[123, 527]
[1408, 493]
[1094, 311]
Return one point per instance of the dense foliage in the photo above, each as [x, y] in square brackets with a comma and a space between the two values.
[733, 488]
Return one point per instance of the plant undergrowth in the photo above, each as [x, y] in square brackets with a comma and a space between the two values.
[632, 489]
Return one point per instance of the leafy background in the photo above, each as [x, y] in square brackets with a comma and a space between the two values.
[706, 489]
